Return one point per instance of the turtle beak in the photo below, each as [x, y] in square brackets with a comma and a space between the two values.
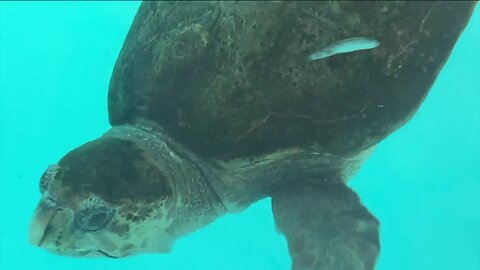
[41, 223]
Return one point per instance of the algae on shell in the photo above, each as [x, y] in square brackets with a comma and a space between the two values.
[230, 79]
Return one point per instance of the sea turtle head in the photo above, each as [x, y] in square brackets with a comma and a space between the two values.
[104, 198]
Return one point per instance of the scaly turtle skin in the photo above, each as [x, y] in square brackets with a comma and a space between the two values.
[214, 106]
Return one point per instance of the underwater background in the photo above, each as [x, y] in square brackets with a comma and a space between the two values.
[56, 58]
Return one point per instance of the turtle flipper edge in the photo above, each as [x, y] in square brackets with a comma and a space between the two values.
[326, 227]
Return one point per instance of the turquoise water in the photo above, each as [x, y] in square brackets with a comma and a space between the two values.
[422, 183]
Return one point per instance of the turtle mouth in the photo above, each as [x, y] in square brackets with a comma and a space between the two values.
[41, 224]
[106, 254]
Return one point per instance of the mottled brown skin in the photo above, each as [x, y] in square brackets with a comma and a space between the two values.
[115, 170]
[214, 106]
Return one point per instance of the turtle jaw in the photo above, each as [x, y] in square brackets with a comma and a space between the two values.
[53, 229]
[40, 224]
[42, 230]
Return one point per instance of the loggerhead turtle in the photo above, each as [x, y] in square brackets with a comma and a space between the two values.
[215, 105]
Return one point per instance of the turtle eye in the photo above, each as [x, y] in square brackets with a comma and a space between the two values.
[47, 177]
[93, 215]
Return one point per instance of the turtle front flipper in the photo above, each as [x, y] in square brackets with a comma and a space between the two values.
[326, 227]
